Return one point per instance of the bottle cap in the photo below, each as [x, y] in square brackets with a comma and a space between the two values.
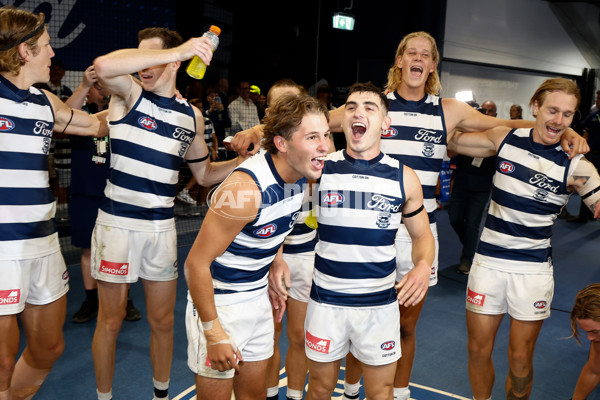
[215, 29]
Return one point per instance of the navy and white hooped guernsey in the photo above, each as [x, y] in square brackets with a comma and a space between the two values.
[27, 205]
[529, 191]
[302, 238]
[417, 138]
[241, 272]
[359, 212]
[148, 146]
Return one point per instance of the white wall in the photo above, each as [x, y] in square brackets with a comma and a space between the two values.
[504, 87]
[517, 33]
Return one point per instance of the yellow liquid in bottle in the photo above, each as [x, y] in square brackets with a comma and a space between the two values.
[311, 220]
[196, 68]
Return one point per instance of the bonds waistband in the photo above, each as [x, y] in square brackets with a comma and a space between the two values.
[24, 38]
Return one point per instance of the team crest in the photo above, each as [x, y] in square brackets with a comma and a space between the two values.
[428, 150]
[183, 148]
[46, 146]
[383, 220]
[540, 195]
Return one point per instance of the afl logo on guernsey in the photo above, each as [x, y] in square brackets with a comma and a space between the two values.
[389, 133]
[147, 123]
[266, 231]
[506, 167]
[333, 199]
[6, 124]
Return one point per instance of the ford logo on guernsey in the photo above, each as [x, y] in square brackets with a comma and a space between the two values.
[266, 231]
[389, 345]
[147, 123]
[540, 304]
[333, 199]
[506, 167]
[6, 124]
[389, 133]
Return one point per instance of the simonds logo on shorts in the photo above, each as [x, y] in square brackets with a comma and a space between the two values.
[113, 268]
[317, 344]
[475, 298]
[10, 296]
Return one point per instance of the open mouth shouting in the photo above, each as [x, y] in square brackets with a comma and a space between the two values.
[416, 71]
[358, 130]
[318, 162]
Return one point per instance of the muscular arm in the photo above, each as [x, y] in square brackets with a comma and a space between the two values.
[222, 223]
[81, 123]
[590, 374]
[206, 172]
[586, 182]
[460, 117]
[413, 286]
[478, 144]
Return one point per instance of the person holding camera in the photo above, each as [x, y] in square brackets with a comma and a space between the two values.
[219, 116]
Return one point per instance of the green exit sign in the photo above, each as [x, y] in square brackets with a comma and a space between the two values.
[343, 21]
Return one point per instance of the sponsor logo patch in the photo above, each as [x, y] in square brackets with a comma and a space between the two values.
[10, 296]
[147, 123]
[112, 268]
[266, 231]
[317, 344]
[6, 124]
[506, 167]
[475, 298]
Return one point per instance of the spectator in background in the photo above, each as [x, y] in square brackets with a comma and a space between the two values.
[219, 116]
[516, 112]
[325, 96]
[242, 111]
[255, 95]
[586, 314]
[223, 91]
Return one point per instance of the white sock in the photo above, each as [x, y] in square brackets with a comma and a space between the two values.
[104, 396]
[272, 391]
[294, 394]
[161, 390]
[401, 393]
[490, 398]
[351, 389]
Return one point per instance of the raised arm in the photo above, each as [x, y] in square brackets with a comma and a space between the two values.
[586, 182]
[222, 223]
[413, 286]
[478, 144]
[206, 172]
[114, 69]
[78, 97]
[460, 117]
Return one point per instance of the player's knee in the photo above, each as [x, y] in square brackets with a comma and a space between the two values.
[44, 357]
[7, 366]
[163, 324]
[296, 337]
[521, 360]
